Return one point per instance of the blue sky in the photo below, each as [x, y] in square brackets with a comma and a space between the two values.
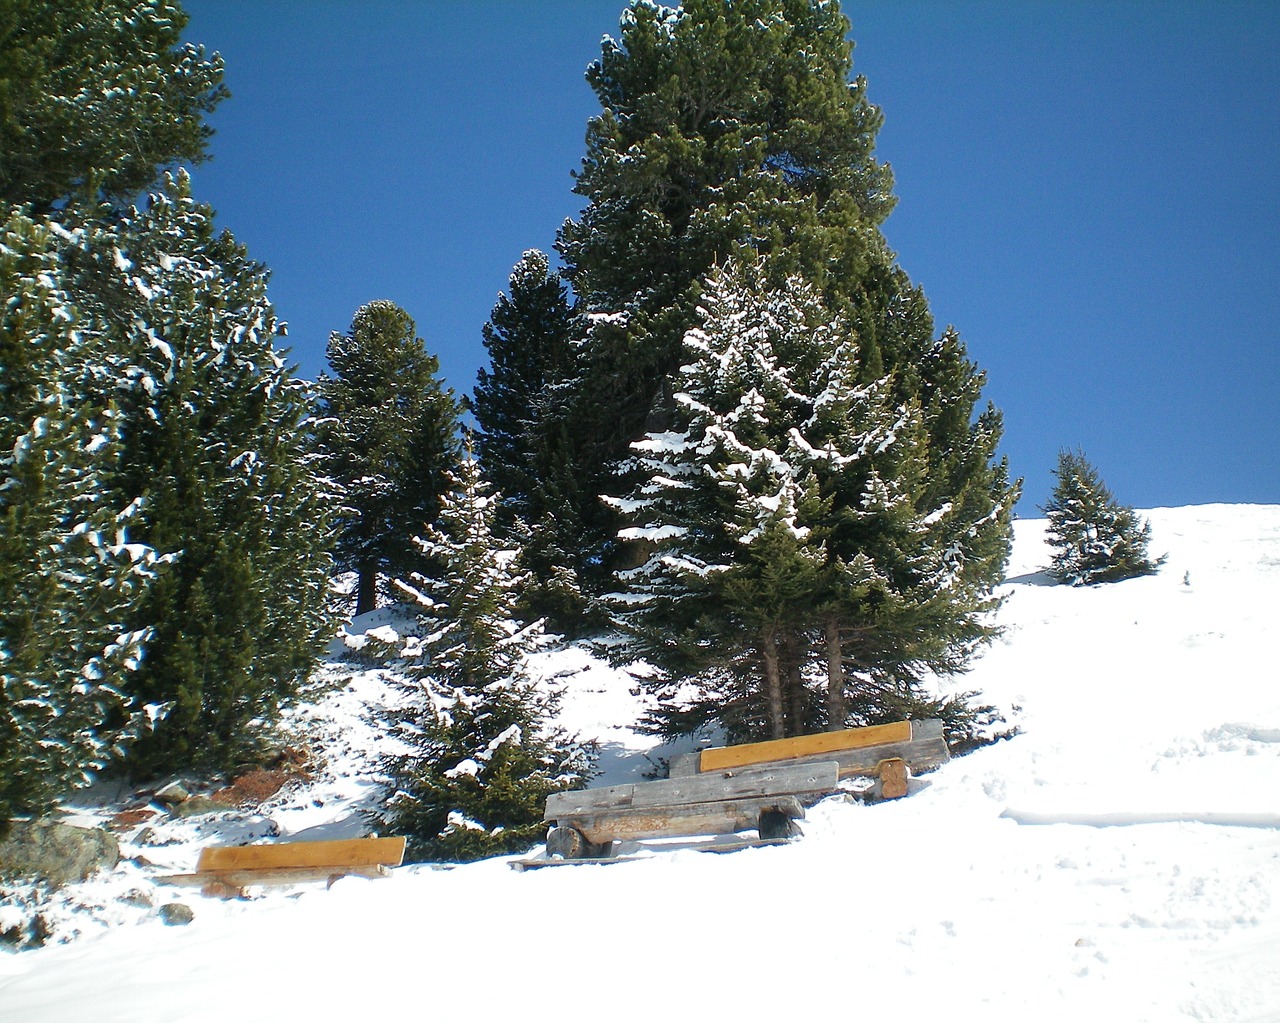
[1089, 191]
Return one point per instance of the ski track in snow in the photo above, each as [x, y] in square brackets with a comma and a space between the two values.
[1118, 859]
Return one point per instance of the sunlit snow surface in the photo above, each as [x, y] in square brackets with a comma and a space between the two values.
[1119, 860]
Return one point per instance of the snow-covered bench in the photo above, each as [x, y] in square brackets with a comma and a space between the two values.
[229, 869]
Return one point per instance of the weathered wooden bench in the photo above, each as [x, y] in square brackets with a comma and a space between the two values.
[760, 787]
[767, 799]
[229, 869]
[885, 752]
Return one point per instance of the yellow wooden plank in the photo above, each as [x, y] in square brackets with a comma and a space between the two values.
[723, 757]
[349, 852]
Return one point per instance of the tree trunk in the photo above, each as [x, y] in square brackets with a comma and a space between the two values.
[367, 589]
[836, 709]
[773, 684]
[793, 663]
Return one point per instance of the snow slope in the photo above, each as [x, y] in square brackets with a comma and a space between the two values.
[1119, 859]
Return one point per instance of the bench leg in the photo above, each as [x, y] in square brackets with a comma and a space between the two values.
[893, 778]
[774, 824]
[570, 844]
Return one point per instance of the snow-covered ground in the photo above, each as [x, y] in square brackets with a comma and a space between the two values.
[1118, 860]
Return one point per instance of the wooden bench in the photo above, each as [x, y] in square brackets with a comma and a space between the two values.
[759, 786]
[767, 799]
[229, 869]
[885, 752]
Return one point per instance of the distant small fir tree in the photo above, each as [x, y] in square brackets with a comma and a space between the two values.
[1095, 539]
[484, 750]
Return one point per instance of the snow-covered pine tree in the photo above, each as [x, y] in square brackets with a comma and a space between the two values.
[798, 566]
[1095, 539]
[484, 749]
[216, 441]
[70, 579]
[99, 97]
[730, 523]
[731, 126]
[526, 439]
[389, 436]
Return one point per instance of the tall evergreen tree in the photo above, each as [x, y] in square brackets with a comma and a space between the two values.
[389, 434]
[97, 97]
[70, 579]
[732, 130]
[215, 441]
[526, 443]
[485, 752]
[184, 414]
[1095, 539]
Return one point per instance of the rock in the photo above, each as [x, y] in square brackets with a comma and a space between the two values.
[137, 897]
[196, 805]
[172, 794]
[57, 853]
[176, 914]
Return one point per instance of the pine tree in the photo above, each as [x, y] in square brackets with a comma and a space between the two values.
[70, 577]
[526, 439]
[731, 566]
[1095, 539]
[794, 556]
[485, 752]
[216, 442]
[160, 365]
[389, 434]
[97, 97]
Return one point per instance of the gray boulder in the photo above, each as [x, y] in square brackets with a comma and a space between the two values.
[176, 914]
[57, 853]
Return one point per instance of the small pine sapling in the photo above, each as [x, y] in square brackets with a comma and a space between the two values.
[482, 750]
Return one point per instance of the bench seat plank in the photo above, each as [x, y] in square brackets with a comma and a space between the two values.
[277, 875]
[342, 853]
[823, 743]
[921, 755]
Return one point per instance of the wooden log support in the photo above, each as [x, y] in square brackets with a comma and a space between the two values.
[770, 780]
[569, 843]
[892, 774]
[767, 799]
[720, 818]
